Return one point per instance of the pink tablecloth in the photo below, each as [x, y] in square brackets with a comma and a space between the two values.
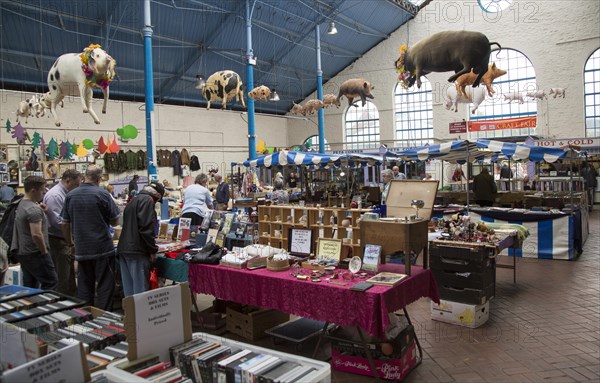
[320, 301]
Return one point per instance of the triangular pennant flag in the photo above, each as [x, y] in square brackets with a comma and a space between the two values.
[102, 146]
[114, 146]
[108, 144]
[81, 150]
[43, 148]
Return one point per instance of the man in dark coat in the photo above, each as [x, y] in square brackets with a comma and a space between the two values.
[133, 186]
[137, 244]
[484, 187]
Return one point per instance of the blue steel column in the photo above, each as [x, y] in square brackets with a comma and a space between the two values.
[250, 83]
[149, 85]
[320, 93]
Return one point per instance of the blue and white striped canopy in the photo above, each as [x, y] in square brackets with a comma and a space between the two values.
[455, 151]
[524, 151]
[463, 151]
[284, 158]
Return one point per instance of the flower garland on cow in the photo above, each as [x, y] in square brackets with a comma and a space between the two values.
[101, 80]
[403, 74]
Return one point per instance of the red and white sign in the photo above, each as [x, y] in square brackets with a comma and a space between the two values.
[584, 143]
[458, 127]
[506, 123]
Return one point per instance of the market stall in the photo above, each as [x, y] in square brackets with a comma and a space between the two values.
[568, 228]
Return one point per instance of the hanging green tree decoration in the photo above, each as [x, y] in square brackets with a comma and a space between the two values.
[52, 150]
[35, 140]
[69, 153]
[8, 127]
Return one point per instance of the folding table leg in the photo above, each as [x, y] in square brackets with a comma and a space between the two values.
[321, 334]
[416, 338]
[368, 352]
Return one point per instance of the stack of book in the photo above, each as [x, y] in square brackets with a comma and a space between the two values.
[211, 361]
[153, 370]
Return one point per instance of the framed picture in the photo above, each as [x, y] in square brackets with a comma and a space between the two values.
[300, 242]
[4, 178]
[329, 249]
[387, 279]
[371, 257]
[3, 153]
[3, 167]
[51, 169]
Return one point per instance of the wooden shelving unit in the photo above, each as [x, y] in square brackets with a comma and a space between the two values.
[274, 223]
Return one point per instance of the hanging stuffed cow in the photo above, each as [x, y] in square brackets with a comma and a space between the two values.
[76, 74]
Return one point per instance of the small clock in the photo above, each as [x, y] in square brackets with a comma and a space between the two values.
[494, 6]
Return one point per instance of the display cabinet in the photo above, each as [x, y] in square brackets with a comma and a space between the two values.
[274, 223]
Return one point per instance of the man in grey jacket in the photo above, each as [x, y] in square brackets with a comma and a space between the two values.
[59, 249]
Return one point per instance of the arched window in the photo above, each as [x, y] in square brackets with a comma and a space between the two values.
[311, 144]
[362, 126]
[591, 93]
[413, 114]
[520, 78]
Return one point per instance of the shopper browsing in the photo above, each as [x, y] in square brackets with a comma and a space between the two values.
[280, 196]
[87, 215]
[59, 248]
[137, 245]
[222, 193]
[484, 187]
[197, 200]
[397, 175]
[30, 237]
[387, 175]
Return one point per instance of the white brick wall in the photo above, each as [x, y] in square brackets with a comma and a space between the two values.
[556, 35]
[216, 137]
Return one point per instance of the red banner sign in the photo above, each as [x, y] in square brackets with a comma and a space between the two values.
[507, 123]
[458, 127]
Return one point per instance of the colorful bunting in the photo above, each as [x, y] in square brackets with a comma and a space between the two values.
[102, 146]
[114, 146]
[52, 150]
[35, 140]
[19, 133]
[81, 150]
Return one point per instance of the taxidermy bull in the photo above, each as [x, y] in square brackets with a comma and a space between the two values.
[222, 86]
[458, 51]
[77, 74]
[353, 88]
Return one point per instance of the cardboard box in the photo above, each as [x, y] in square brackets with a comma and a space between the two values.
[251, 322]
[460, 314]
[14, 276]
[347, 342]
[394, 369]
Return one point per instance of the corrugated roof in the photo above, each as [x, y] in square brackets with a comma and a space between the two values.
[193, 37]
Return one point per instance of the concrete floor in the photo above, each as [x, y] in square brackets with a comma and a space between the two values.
[544, 328]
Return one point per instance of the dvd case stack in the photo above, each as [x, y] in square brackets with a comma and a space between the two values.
[59, 321]
[206, 361]
[153, 370]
